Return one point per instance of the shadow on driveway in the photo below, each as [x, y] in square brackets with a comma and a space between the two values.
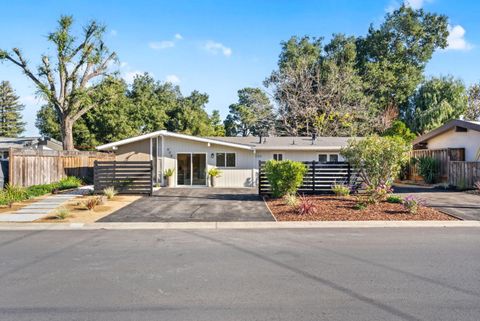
[195, 205]
[462, 205]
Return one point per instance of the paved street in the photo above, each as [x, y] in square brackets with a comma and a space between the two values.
[304, 274]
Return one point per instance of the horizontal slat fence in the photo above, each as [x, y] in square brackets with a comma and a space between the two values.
[444, 156]
[29, 167]
[125, 176]
[463, 174]
[318, 179]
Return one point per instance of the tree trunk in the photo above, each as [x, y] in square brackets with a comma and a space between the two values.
[67, 134]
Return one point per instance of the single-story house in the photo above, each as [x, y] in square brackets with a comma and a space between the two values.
[41, 143]
[237, 157]
[454, 134]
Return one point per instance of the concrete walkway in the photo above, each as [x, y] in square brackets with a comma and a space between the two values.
[43, 207]
[459, 204]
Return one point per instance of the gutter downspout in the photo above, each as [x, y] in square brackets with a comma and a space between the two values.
[163, 164]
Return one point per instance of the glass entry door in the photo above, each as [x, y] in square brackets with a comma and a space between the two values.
[191, 169]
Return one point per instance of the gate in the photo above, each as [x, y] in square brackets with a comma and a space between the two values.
[126, 177]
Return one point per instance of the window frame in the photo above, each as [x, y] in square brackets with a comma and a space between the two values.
[326, 158]
[330, 156]
[225, 159]
[275, 156]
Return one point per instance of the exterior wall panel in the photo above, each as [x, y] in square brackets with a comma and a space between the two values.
[469, 140]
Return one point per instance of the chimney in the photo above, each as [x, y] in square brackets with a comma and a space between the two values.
[260, 139]
[314, 138]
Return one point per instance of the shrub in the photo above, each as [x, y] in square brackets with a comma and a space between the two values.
[412, 204]
[291, 200]
[11, 194]
[214, 172]
[360, 206]
[39, 190]
[109, 192]
[285, 177]
[168, 172]
[379, 159]
[61, 213]
[394, 199]
[69, 182]
[379, 193]
[306, 206]
[341, 189]
[92, 202]
[428, 168]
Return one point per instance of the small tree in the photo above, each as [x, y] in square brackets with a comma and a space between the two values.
[285, 177]
[69, 85]
[11, 124]
[379, 159]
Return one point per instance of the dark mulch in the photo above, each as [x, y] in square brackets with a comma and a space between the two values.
[334, 208]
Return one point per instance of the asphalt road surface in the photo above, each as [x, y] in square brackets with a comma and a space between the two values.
[309, 274]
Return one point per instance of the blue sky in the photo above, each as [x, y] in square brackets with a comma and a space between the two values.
[218, 47]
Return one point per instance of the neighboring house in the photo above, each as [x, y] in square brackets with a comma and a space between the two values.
[42, 143]
[237, 157]
[454, 134]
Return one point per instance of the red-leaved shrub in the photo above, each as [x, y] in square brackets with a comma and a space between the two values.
[306, 206]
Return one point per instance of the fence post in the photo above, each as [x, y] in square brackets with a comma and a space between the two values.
[259, 177]
[349, 174]
[313, 176]
[95, 164]
[151, 177]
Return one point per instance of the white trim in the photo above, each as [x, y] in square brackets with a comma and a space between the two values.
[290, 148]
[170, 134]
[163, 163]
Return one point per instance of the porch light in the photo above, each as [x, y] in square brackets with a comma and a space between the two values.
[212, 155]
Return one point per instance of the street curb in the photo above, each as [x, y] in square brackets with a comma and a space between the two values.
[234, 225]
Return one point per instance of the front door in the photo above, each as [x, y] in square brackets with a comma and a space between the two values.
[191, 169]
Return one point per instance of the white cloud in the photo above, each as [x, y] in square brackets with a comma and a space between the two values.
[174, 79]
[130, 76]
[113, 33]
[456, 39]
[159, 45]
[416, 4]
[123, 64]
[216, 48]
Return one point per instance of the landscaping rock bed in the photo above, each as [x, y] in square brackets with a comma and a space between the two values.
[334, 208]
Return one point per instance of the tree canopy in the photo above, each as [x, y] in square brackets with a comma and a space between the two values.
[11, 124]
[123, 111]
[251, 115]
[435, 102]
[69, 85]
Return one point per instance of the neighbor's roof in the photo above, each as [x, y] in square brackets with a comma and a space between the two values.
[20, 142]
[249, 143]
[473, 125]
[289, 142]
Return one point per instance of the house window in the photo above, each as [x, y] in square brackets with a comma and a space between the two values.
[322, 158]
[278, 157]
[334, 158]
[226, 159]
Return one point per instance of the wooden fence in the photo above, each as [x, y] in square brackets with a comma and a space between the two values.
[444, 156]
[463, 174]
[27, 167]
[318, 179]
[126, 177]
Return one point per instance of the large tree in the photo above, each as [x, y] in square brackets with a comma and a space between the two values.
[70, 85]
[473, 108]
[11, 124]
[391, 59]
[124, 111]
[251, 115]
[435, 102]
[317, 89]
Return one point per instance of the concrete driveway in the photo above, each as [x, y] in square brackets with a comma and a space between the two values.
[195, 205]
[459, 204]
